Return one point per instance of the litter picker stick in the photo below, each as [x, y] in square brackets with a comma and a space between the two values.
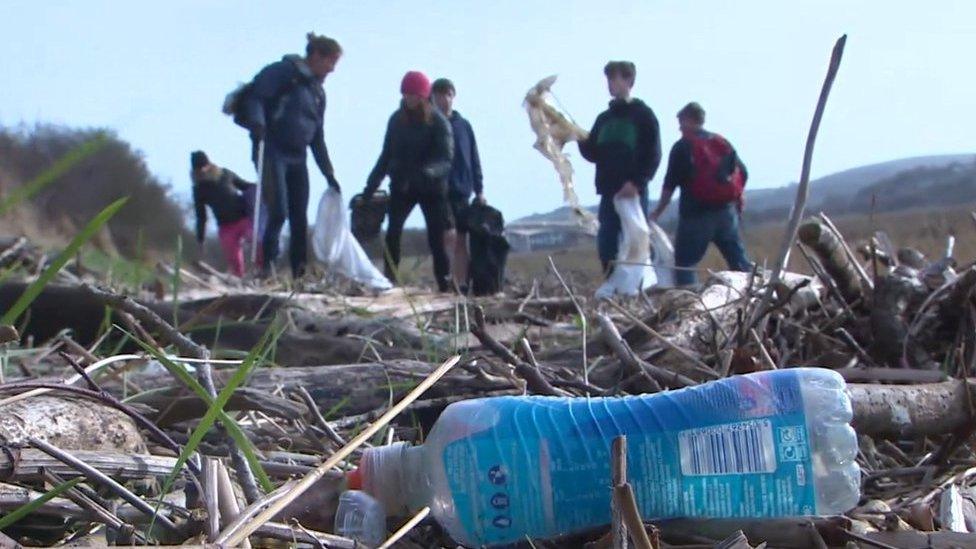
[257, 205]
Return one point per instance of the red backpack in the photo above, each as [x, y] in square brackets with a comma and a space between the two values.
[716, 176]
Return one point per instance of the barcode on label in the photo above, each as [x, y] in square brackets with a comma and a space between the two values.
[735, 448]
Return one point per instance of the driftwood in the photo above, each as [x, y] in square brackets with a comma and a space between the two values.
[357, 387]
[175, 407]
[60, 308]
[12, 497]
[830, 251]
[906, 411]
[895, 296]
[22, 464]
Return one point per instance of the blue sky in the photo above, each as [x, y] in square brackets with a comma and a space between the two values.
[157, 74]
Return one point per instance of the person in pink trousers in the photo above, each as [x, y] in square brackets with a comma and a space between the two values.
[226, 195]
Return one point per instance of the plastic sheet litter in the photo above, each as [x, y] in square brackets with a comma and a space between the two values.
[553, 130]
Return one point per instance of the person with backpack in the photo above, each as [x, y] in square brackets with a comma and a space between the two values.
[712, 178]
[417, 155]
[226, 195]
[465, 177]
[625, 145]
[285, 107]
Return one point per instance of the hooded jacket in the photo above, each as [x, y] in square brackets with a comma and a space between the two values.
[625, 145]
[465, 176]
[287, 102]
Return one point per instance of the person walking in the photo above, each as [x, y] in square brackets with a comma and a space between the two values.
[464, 179]
[417, 155]
[625, 145]
[712, 177]
[285, 107]
[226, 195]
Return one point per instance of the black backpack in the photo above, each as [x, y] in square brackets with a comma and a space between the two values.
[489, 249]
[234, 104]
[234, 101]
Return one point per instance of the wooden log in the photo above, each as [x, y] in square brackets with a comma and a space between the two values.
[890, 375]
[26, 464]
[174, 406]
[879, 410]
[895, 296]
[830, 251]
[60, 307]
[908, 411]
[357, 387]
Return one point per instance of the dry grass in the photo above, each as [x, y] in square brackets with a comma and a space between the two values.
[925, 230]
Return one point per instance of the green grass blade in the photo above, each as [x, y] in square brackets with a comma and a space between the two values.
[216, 407]
[51, 174]
[77, 242]
[31, 506]
[233, 429]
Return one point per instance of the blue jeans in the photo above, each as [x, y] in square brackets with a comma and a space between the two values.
[698, 228]
[608, 236]
[286, 196]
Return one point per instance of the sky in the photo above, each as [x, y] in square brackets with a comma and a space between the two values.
[157, 73]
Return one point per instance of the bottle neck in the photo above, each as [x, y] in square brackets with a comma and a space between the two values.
[395, 476]
[415, 484]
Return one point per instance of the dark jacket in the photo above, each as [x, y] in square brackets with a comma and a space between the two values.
[287, 102]
[416, 155]
[465, 176]
[680, 170]
[625, 145]
[224, 193]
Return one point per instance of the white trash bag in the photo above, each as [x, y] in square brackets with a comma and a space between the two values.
[634, 272]
[662, 256]
[334, 244]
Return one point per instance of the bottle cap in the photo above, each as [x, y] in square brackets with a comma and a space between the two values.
[354, 479]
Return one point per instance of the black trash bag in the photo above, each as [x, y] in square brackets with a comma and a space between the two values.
[367, 215]
[489, 249]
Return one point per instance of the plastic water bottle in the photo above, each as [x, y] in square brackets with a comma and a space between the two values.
[360, 517]
[496, 470]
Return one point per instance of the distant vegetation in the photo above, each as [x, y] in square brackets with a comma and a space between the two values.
[150, 221]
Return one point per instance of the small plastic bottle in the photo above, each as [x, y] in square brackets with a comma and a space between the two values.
[360, 517]
[496, 470]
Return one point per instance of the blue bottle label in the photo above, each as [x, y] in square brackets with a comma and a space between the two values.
[733, 448]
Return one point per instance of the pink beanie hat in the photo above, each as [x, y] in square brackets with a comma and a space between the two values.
[416, 83]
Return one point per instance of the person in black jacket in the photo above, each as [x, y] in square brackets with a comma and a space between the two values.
[285, 108]
[417, 153]
[225, 193]
[625, 145]
[465, 177]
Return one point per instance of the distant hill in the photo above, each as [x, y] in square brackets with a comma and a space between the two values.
[911, 180]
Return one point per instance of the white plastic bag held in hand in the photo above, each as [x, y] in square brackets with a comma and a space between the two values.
[662, 256]
[633, 273]
[334, 244]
